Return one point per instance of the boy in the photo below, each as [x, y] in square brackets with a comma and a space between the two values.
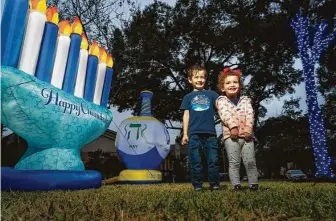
[199, 129]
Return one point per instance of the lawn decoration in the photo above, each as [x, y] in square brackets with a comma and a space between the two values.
[46, 75]
[142, 145]
[310, 51]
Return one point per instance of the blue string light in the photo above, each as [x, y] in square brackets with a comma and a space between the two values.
[309, 54]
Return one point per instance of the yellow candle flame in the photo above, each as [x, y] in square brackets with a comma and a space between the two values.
[52, 15]
[102, 55]
[109, 60]
[85, 43]
[64, 28]
[39, 5]
[77, 26]
[94, 49]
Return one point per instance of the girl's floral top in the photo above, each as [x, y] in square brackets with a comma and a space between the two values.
[240, 115]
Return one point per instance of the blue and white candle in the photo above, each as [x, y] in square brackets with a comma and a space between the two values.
[62, 50]
[91, 72]
[33, 36]
[12, 31]
[73, 57]
[108, 81]
[48, 47]
[82, 64]
[100, 76]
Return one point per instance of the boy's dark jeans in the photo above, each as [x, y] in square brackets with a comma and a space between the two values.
[209, 143]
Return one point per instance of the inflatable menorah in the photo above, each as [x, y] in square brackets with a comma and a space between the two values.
[54, 94]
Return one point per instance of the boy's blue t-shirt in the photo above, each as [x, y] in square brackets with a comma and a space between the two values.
[201, 106]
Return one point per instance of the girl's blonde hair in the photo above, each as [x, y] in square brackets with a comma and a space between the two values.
[229, 72]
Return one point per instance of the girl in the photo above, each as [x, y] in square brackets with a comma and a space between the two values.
[237, 117]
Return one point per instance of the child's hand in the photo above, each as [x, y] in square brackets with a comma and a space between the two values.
[234, 133]
[248, 137]
[185, 140]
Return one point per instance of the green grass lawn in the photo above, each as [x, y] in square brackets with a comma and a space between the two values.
[276, 201]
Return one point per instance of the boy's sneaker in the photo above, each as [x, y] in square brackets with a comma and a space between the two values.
[237, 187]
[215, 187]
[254, 187]
[198, 188]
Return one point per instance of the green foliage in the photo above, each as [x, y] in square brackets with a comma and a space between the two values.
[329, 110]
[327, 73]
[291, 108]
[277, 201]
[285, 139]
[327, 84]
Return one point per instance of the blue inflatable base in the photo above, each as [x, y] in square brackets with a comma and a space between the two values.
[45, 180]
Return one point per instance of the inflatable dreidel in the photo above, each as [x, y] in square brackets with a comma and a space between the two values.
[142, 145]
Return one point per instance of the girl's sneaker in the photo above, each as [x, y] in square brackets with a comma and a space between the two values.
[254, 187]
[237, 187]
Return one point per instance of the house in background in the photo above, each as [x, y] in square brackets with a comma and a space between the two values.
[105, 143]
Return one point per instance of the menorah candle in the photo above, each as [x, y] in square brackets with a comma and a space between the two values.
[2, 3]
[82, 64]
[108, 80]
[12, 31]
[91, 72]
[33, 36]
[45, 61]
[100, 76]
[72, 62]
[62, 50]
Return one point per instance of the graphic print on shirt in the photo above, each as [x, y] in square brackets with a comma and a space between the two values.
[200, 103]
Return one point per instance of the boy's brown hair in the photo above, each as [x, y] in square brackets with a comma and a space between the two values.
[228, 72]
[194, 69]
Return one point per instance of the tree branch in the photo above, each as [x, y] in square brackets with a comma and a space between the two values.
[171, 74]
